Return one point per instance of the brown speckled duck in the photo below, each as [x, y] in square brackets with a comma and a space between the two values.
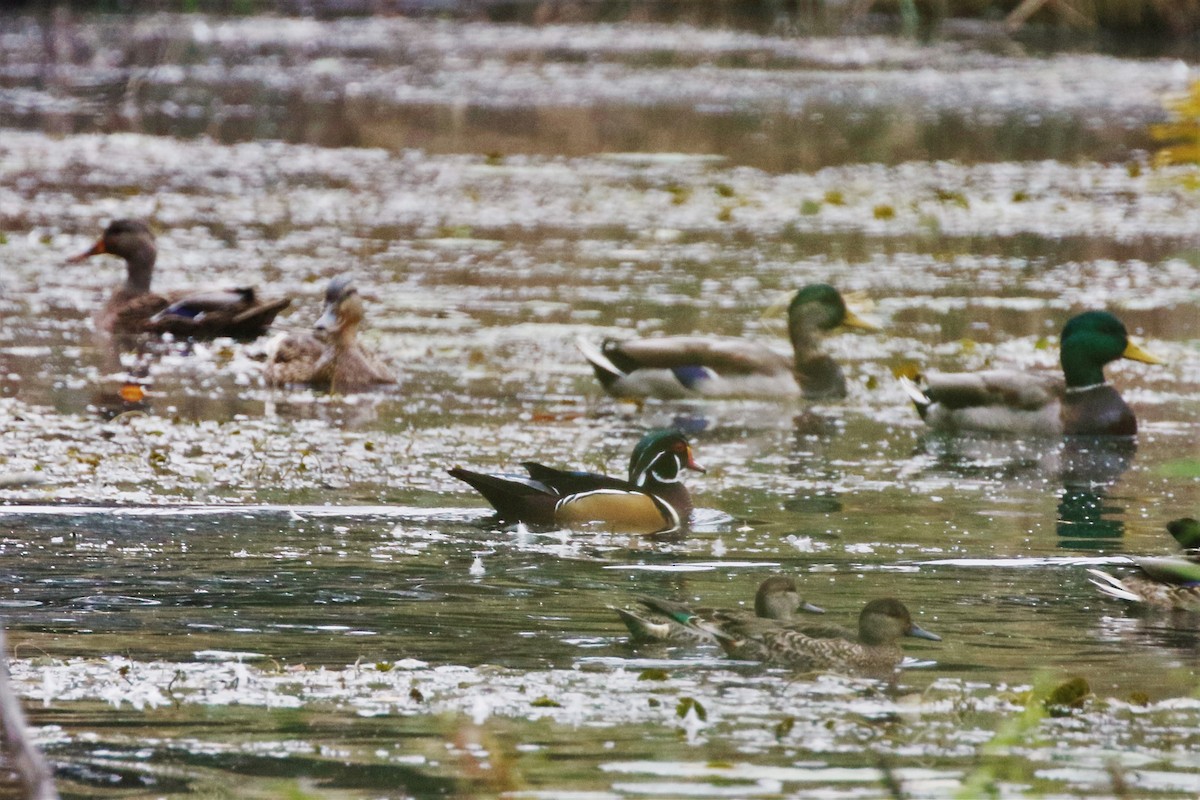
[1169, 583]
[133, 308]
[777, 598]
[330, 358]
[876, 651]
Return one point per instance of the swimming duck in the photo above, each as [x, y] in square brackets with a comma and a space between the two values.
[875, 651]
[777, 598]
[652, 500]
[1168, 583]
[332, 359]
[133, 308]
[681, 367]
[1080, 402]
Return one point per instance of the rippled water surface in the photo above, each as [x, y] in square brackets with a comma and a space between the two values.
[235, 592]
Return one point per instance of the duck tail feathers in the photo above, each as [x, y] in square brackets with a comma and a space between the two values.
[1112, 586]
[916, 394]
[606, 371]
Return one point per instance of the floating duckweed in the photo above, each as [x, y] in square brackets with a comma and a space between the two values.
[545, 702]
[810, 207]
[653, 674]
[723, 190]
[884, 212]
[834, 197]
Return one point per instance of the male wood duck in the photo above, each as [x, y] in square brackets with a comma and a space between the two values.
[332, 359]
[1168, 583]
[133, 308]
[875, 651]
[777, 598]
[681, 367]
[1081, 402]
[652, 500]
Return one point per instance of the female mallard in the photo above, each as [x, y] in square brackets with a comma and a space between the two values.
[652, 500]
[680, 367]
[133, 308]
[1081, 402]
[777, 598]
[332, 360]
[876, 650]
[1168, 583]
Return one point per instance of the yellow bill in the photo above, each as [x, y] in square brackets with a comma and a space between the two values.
[1132, 351]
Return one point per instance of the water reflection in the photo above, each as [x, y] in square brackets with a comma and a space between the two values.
[1087, 518]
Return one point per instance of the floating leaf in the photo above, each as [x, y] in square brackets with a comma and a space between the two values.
[810, 207]
[723, 190]
[835, 198]
[383, 666]
[784, 727]
[545, 702]
[653, 674]
[1067, 696]
[884, 212]
[687, 704]
[416, 695]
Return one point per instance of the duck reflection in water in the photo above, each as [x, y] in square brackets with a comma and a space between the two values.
[1087, 518]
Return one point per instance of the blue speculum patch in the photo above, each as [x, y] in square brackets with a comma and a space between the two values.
[693, 375]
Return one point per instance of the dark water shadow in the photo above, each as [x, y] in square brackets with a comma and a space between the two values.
[1087, 518]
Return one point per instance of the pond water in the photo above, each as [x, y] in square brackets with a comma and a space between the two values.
[232, 592]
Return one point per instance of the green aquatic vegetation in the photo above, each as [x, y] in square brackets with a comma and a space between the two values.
[810, 207]
[546, 702]
[653, 674]
[884, 212]
[834, 197]
[687, 704]
[1068, 697]
[724, 190]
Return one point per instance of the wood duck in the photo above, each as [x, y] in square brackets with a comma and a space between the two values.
[133, 308]
[1168, 583]
[652, 500]
[682, 367]
[1080, 402]
[330, 358]
[777, 598]
[874, 651]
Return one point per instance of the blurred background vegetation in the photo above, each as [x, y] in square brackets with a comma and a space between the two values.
[1173, 18]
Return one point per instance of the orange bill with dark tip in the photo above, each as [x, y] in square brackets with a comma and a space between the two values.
[97, 249]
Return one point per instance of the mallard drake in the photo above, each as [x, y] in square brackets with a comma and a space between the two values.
[652, 500]
[681, 367]
[1169, 583]
[332, 359]
[777, 598]
[133, 308]
[1080, 402]
[876, 650]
